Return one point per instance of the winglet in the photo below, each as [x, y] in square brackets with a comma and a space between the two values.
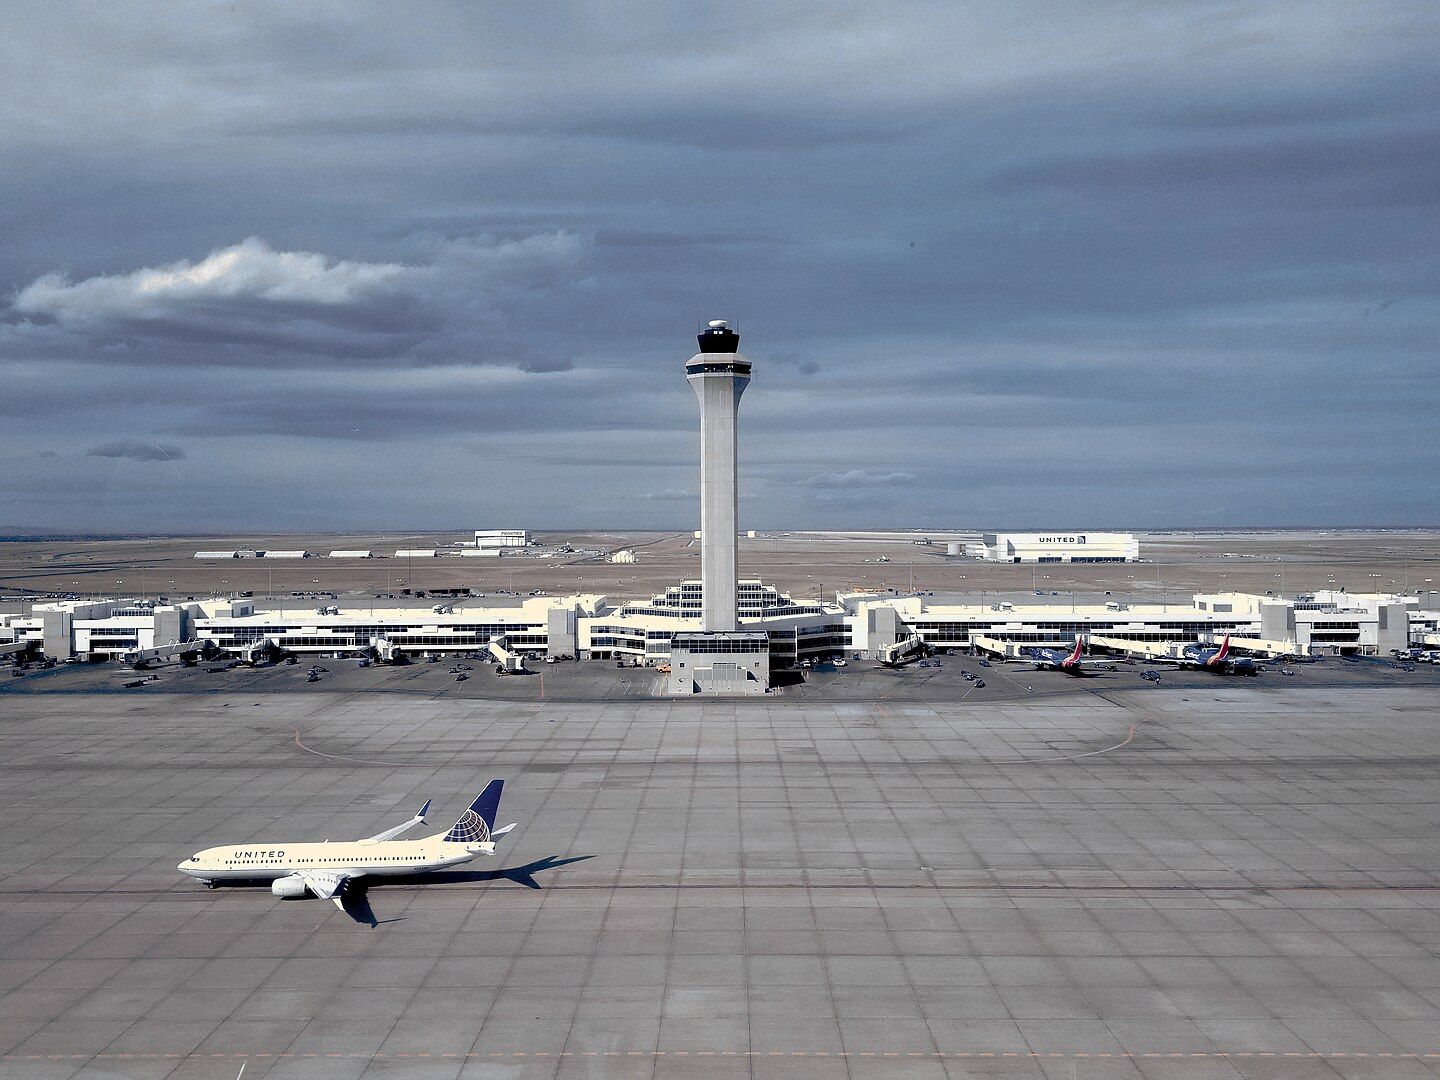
[424, 812]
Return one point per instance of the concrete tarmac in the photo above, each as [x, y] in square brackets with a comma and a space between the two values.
[1220, 880]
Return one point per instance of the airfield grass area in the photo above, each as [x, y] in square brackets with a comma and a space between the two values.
[1222, 879]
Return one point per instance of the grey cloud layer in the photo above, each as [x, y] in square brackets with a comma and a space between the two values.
[137, 451]
[1055, 242]
[248, 304]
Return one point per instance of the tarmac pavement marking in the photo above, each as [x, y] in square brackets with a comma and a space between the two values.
[1395, 1055]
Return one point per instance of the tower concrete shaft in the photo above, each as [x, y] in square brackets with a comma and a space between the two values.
[719, 375]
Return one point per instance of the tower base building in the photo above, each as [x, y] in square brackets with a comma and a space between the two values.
[734, 662]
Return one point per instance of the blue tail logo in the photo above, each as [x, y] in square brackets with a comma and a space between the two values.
[476, 824]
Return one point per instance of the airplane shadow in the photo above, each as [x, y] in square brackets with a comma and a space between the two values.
[357, 906]
[356, 897]
[521, 875]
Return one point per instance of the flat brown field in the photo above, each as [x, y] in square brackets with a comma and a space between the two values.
[1176, 565]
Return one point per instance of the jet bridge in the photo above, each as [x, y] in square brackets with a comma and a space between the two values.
[902, 652]
[1005, 650]
[16, 648]
[1145, 650]
[257, 652]
[385, 650]
[499, 650]
[187, 652]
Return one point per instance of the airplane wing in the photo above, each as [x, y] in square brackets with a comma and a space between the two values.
[343, 889]
[326, 884]
[391, 833]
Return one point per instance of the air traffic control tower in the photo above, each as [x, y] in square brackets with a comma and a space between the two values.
[719, 375]
[721, 658]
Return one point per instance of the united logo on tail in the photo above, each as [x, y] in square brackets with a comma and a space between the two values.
[477, 823]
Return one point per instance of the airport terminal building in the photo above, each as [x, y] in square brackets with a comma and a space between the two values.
[854, 625]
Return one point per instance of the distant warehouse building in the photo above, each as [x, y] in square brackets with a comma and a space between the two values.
[417, 553]
[1056, 547]
[285, 554]
[351, 555]
[217, 554]
[501, 538]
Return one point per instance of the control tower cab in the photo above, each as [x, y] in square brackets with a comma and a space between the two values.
[718, 352]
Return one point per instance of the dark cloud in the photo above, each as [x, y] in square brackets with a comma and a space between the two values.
[668, 495]
[248, 304]
[137, 451]
[805, 365]
[1364, 168]
[857, 478]
[1017, 256]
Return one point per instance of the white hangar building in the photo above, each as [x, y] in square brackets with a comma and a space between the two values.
[1057, 547]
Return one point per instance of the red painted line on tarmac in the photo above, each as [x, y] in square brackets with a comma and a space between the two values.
[354, 760]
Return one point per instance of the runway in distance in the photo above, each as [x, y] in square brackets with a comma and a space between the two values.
[1218, 661]
[336, 870]
[1071, 663]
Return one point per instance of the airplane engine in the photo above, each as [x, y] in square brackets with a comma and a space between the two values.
[290, 888]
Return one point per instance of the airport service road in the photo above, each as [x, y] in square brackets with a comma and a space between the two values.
[1220, 881]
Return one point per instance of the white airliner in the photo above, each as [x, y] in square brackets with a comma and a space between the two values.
[329, 871]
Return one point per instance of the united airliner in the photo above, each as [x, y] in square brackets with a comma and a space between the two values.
[334, 871]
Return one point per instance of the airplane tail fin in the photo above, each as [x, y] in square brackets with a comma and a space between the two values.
[1224, 649]
[478, 822]
[1075, 656]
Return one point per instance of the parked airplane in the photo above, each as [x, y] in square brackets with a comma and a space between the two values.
[335, 871]
[1219, 661]
[1071, 663]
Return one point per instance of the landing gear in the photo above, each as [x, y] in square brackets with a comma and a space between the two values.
[212, 884]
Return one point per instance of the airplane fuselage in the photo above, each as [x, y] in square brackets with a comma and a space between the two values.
[1060, 665]
[268, 861]
[1216, 662]
[1053, 660]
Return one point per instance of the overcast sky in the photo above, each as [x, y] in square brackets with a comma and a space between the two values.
[347, 266]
